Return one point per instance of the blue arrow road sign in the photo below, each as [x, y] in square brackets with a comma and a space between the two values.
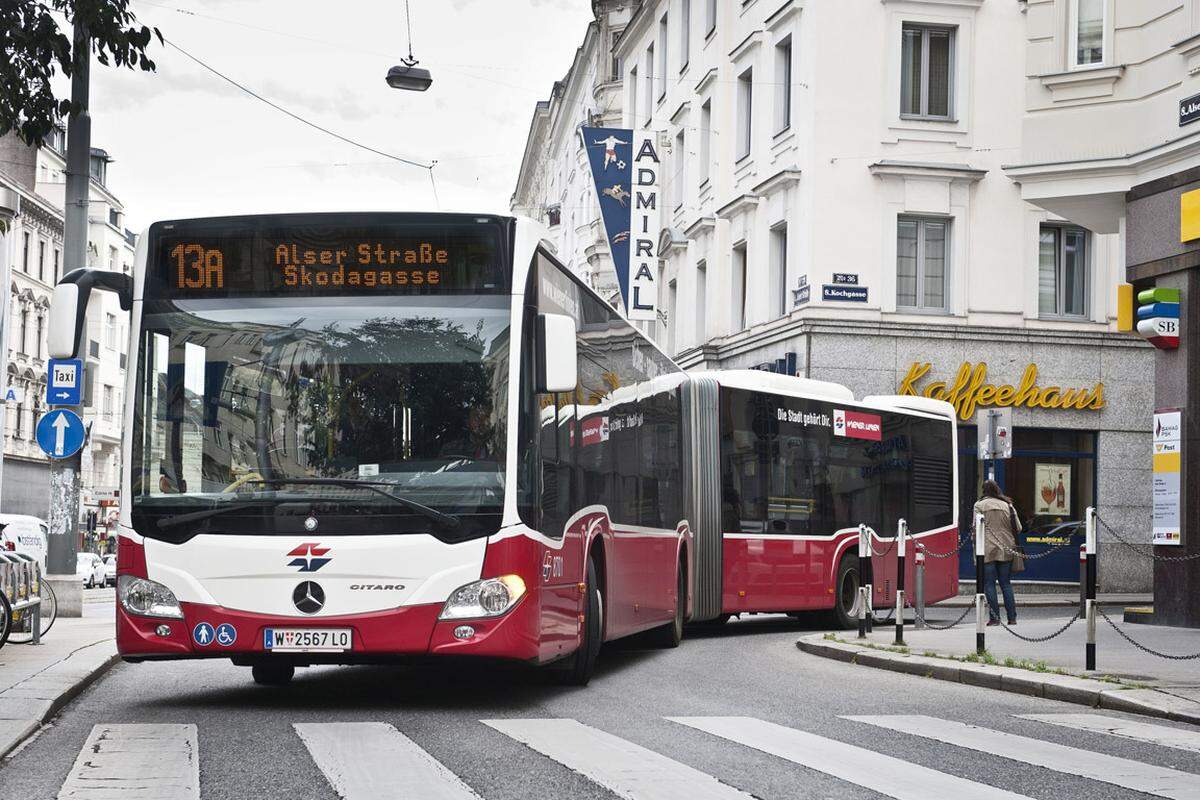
[60, 433]
[64, 382]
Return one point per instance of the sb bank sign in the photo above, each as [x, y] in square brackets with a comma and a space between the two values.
[970, 390]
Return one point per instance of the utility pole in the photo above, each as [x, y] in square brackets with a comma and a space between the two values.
[64, 473]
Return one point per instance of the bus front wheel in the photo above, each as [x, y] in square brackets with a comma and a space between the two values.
[846, 593]
[272, 674]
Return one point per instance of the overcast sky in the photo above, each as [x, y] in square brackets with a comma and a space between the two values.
[187, 144]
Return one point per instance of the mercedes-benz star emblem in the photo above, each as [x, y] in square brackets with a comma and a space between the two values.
[308, 597]
[310, 524]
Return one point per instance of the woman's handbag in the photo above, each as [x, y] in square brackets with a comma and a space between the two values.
[1018, 555]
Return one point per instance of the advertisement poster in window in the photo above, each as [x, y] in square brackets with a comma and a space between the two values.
[1051, 489]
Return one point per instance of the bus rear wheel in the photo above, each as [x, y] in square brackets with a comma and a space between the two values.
[845, 592]
[671, 634]
[273, 674]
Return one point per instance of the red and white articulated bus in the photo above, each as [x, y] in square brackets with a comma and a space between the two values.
[355, 438]
[789, 468]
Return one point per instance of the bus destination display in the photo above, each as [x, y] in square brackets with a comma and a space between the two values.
[204, 265]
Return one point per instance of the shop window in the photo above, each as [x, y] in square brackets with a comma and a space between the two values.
[922, 264]
[1062, 271]
[927, 72]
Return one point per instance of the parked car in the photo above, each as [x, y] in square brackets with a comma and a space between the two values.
[24, 534]
[110, 569]
[89, 569]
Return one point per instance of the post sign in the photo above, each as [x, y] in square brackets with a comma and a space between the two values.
[1168, 455]
[1189, 110]
[60, 433]
[64, 382]
[626, 172]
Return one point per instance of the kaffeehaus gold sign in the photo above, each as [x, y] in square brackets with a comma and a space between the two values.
[970, 390]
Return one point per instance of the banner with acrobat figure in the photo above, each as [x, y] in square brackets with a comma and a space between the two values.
[625, 169]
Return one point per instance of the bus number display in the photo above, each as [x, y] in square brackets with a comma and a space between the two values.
[198, 267]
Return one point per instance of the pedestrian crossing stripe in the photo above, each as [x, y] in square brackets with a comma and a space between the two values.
[1148, 778]
[375, 761]
[1157, 735]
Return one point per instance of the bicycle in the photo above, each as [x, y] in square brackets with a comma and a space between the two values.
[48, 612]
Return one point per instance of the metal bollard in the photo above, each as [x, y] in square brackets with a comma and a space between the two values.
[869, 577]
[1083, 581]
[862, 581]
[980, 603]
[1090, 578]
[919, 589]
[901, 539]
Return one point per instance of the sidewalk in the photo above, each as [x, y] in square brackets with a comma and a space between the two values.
[1047, 599]
[36, 681]
[1127, 678]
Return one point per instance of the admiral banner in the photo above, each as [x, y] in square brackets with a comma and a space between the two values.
[625, 169]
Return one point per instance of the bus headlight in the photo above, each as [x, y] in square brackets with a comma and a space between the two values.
[147, 598]
[490, 597]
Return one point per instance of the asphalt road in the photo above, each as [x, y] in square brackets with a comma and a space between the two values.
[248, 747]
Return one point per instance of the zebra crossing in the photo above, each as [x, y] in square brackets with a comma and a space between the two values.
[376, 761]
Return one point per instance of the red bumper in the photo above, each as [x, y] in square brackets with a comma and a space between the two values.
[406, 631]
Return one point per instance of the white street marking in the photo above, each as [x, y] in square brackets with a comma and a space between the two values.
[889, 776]
[1135, 775]
[1158, 735]
[624, 768]
[374, 761]
[136, 762]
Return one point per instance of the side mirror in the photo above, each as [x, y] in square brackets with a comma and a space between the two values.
[557, 360]
[67, 317]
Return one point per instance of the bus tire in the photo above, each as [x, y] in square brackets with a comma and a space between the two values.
[273, 674]
[578, 668]
[671, 634]
[845, 592]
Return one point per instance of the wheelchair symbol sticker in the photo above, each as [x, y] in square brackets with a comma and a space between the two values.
[203, 634]
[226, 634]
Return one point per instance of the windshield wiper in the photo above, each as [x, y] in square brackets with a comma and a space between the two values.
[440, 517]
[196, 516]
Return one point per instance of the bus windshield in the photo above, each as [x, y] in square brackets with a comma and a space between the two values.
[236, 396]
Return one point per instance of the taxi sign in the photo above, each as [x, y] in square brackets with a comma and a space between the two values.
[64, 382]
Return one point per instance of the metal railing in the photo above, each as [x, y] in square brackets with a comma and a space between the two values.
[21, 585]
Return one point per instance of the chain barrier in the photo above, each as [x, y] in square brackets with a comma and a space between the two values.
[886, 617]
[1036, 639]
[1141, 646]
[889, 549]
[1138, 548]
[961, 617]
[929, 553]
[1021, 551]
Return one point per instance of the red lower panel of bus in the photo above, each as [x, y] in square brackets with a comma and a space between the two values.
[411, 630]
[793, 574]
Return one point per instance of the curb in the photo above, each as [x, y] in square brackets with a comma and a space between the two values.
[1065, 688]
[65, 681]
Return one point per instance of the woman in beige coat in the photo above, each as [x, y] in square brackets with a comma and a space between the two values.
[1002, 526]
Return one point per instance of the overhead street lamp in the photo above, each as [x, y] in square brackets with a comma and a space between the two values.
[407, 75]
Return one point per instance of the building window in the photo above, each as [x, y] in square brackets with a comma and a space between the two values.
[110, 331]
[783, 85]
[99, 168]
[25, 253]
[633, 97]
[1087, 32]
[19, 418]
[705, 141]
[24, 332]
[922, 256]
[738, 284]
[685, 33]
[778, 288]
[37, 344]
[663, 61]
[614, 72]
[927, 72]
[112, 259]
[649, 81]
[681, 161]
[108, 401]
[554, 216]
[710, 17]
[700, 312]
[57, 256]
[1062, 271]
[41, 259]
[745, 93]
